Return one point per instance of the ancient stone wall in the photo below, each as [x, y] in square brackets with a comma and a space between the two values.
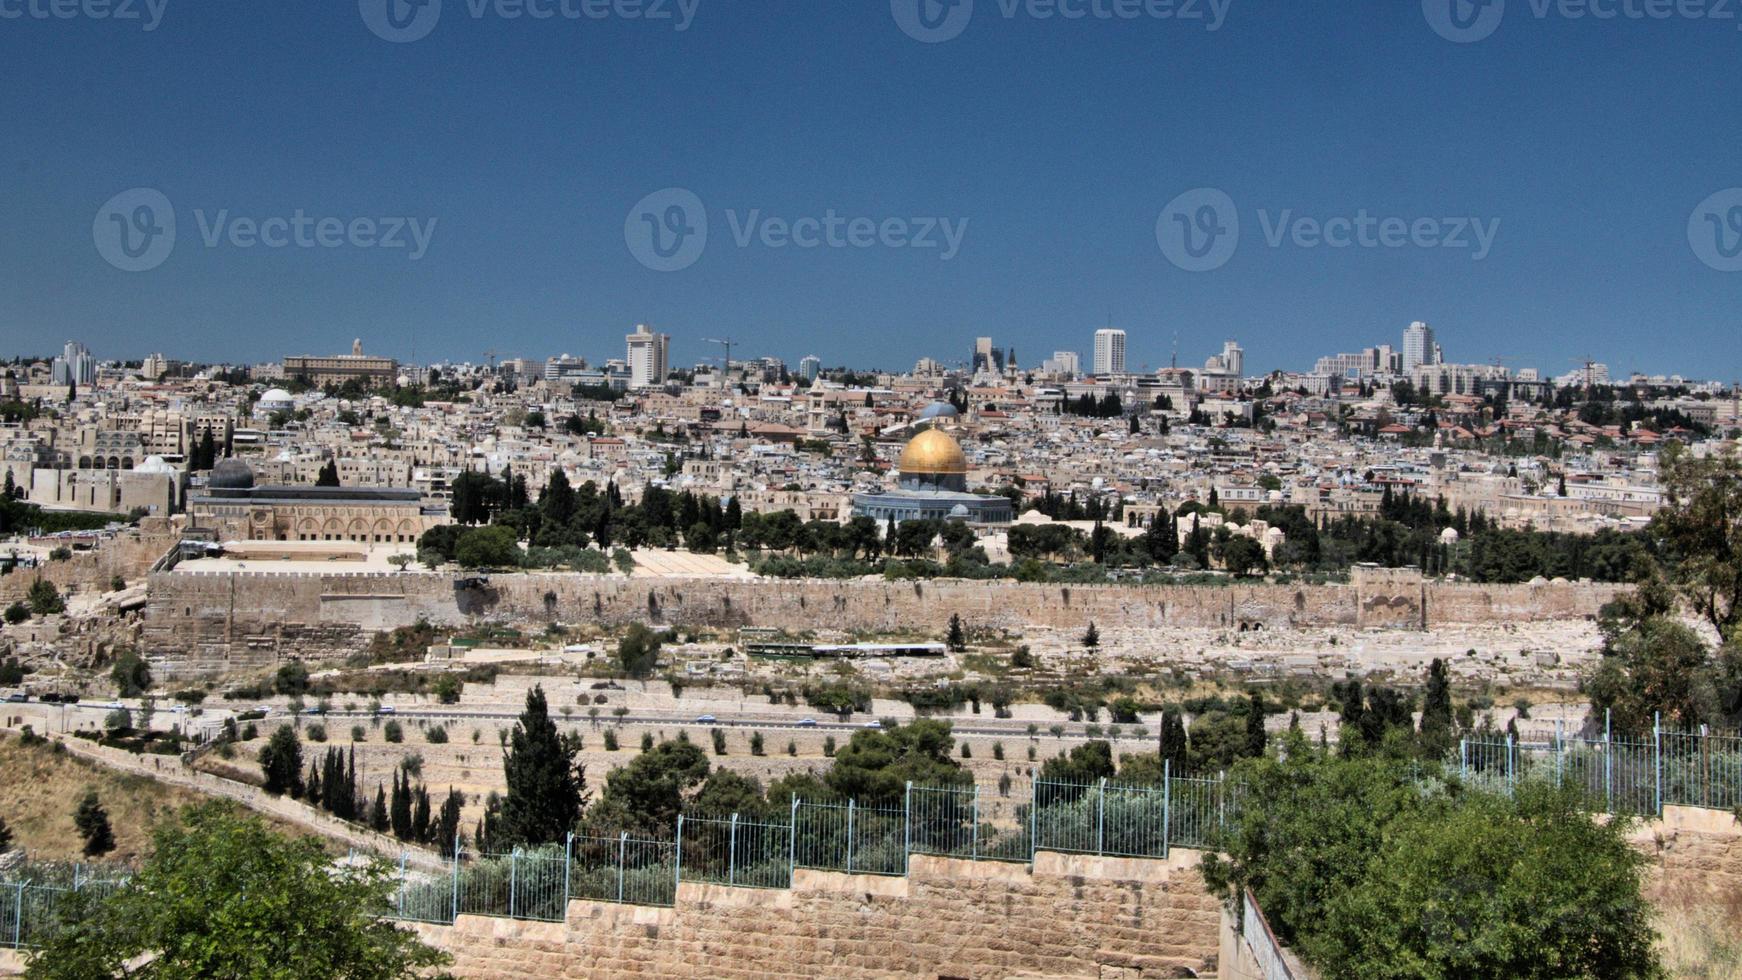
[207, 620]
[129, 555]
[1072, 916]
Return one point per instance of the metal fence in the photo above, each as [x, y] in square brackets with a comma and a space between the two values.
[1621, 775]
[1635, 776]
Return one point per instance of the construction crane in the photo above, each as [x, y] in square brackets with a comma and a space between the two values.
[727, 344]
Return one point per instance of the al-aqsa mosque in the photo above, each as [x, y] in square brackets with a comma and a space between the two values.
[933, 485]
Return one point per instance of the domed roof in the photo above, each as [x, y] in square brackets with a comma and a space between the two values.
[276, 395]
[933, 452]
[231, 474]
[939, 410]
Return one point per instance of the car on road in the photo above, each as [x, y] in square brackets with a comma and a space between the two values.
[385, 709]
[807, 723]
[873, 724]
[706, 720]
[17, 698]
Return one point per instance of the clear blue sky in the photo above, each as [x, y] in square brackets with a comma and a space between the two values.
[530, 141]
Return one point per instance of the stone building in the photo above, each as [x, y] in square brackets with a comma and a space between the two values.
[933, 486]
[234, 509]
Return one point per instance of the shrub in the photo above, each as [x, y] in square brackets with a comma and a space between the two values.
[393, 732]
[316, 733]
[610, 740]
[719, 738]
[755, 743]
[359, 733]
[436, 736]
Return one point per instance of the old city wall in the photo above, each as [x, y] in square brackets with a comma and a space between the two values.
[1072, 916]
[128, 555]
[208, 620]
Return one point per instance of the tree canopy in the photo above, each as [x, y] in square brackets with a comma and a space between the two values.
[222, 896]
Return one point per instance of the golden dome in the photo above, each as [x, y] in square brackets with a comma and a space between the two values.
[933, 452]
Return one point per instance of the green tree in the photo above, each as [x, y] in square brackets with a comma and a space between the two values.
[875, 766]
[281, 762]
[1255, 736]
[291, 679]
[1657, 666]
[131, 674]
[488, 547]
[1700, 530]
[1437, 734]
[92, 822]
[44, 598]
[957, 639]
[1091, 637]
[448, 688]
[638, 650]
[649, 792]
[546, 785]
[1526, 885]
[329, 475]
[221, 896]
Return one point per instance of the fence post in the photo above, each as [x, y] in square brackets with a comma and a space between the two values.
[1657, 758]
[907, 827]
[1463, 758]
[1705, 767]
[456, 889]
[622, 847]
[18, 918]
[1222, 800]
[852, 809]
[1608, 762]
[1510, 780]
[792, 842]
[1101, 819]
[76, 867]
[974, 842]
[513, 880]
[732, 853]
[1166, 807]
[402, 858]
[1033, 819]
[568, 855]
[678, 864]
[1557, 753]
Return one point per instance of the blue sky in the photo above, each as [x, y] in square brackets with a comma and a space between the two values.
[529, 143]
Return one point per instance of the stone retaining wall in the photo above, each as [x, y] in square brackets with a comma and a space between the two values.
[204, 621]
[1073, 916]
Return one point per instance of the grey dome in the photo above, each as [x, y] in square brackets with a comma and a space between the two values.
[231, 474]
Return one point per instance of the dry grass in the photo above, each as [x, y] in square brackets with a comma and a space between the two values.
[1701, 936]
[40, 788]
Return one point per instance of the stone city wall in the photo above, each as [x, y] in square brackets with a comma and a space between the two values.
[129, 555]
[210, 620]
[1072, 916]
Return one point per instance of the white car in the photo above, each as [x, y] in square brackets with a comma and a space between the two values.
[807, 723]
[706, 720]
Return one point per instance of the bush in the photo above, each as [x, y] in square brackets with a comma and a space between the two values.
[610, 740]
[719, 738]
[359, 733]
[393, 732]
[315, 733]
[17, 613]
[436, 736]
[755, 743]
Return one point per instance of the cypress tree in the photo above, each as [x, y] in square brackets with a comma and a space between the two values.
[401, 816]
[93, 824]
[1255, 737]
[545, 784]
[378, 813]
[1436, 711]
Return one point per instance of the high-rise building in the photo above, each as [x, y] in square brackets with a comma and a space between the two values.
[1418, 347]
[809, 367]
[1063, 363]
[1109, 351]
[75, 365]
[987, 359]
[649, 357]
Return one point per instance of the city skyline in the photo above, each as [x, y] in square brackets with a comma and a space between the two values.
[523, 230]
